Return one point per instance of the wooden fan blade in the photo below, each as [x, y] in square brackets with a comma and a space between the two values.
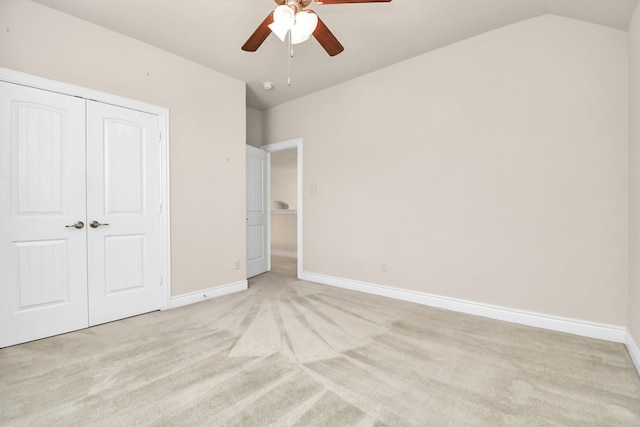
[326, 39]
[350, 1]
[259, 35]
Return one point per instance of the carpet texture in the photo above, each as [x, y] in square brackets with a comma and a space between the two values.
[289, 352]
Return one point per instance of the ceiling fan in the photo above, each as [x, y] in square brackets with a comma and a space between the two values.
[293, 16]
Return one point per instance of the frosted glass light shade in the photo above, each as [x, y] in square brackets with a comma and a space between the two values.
[279, 30]
[284, 15]
[305, 25]
[283, 19]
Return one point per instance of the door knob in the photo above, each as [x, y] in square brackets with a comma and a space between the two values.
[96, 224]
[77, 225]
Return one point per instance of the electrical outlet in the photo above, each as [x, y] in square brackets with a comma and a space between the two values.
[384, 267]
[237, 265]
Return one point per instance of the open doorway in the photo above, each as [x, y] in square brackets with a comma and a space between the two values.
[285, 201]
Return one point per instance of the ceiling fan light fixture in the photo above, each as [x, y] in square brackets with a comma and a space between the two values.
[279, 30]
[305, 25]
[283, 20]
[284, 15]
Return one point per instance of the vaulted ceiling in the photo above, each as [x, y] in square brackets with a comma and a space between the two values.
[375, 35]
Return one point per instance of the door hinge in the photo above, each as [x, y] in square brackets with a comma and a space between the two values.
[161, 280]
[160, 207]
[159, 136]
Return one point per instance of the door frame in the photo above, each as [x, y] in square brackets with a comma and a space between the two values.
[16, 77]
[279, 146]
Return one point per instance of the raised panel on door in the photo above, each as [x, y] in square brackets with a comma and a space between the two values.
[43, 275]
[257, 213]
[124, 197]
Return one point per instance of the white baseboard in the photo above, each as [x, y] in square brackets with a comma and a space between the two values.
[218, 291]
[555, 323]
[634, 352]
[288, 254]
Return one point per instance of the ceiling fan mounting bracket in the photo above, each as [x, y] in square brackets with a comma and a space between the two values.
[298, 5]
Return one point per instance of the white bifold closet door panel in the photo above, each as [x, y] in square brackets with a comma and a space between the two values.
[80, 213]
[43, 258]
[123, 196]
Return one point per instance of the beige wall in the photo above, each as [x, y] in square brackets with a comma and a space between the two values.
[207, 111]
[492, 170]
[254, 127]
[634, 183]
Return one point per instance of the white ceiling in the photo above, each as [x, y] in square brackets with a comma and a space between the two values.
[375, 35]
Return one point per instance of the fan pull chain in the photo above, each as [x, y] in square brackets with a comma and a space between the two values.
[289, 61]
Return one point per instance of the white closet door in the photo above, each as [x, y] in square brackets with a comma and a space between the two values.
[257, 211]
[43, 263]
[123, 194]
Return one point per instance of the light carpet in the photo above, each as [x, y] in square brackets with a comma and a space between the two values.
[289, 352]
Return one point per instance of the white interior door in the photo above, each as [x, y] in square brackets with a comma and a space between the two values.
[257, 211]
[43, 262]
[123, 212]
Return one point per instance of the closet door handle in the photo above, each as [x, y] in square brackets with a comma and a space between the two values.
[96, 224]
[77, 225]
